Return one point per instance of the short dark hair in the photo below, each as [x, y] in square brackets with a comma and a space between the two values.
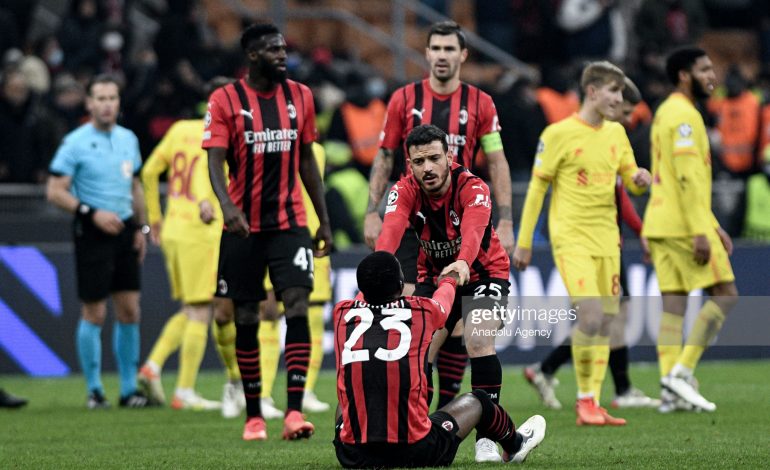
[425, 134]
[445, 28]
[103, 78]
[631, 92]
[380, 278]
[255, 32]
[682, 59]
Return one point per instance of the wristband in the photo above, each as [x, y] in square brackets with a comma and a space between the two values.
[84, 212]
[145, 229]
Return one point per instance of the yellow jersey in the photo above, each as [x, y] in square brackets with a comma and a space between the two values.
[180, 156]
[582, 163]
[680, 199]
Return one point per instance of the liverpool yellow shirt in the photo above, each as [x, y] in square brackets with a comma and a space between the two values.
[581, 162]
[180, 156]
[680, 199]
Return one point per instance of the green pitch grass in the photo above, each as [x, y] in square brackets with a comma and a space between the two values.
[56, 431]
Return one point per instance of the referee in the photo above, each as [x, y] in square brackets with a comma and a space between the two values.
[94, 175]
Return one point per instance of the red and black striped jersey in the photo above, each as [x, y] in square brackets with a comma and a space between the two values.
[381, 352]
[465, 115]
[262, 133]
[457, 225]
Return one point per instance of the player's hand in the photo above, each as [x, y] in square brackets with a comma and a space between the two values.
[155, 233]
[461, 268]
[646, 258]
[727, 242]
[701, 249]
[521, 258]
[140, 245]
[372, 228]
[322, 243]
[453, 274]
[642, 178]
[108, 222]
[505, 234]
[206, 211]
[235, 220]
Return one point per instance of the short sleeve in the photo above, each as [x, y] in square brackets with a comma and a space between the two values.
[547, 156]
[309, 131]
[392, 132]
[488, 120]
[216, 131]
[137, 154]
[65, 160]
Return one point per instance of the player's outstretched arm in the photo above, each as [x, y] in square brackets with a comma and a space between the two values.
[235, 220]
[378, 181]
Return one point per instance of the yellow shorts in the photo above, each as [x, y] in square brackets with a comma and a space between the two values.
[587, 276]
[192, 269]
[677, 271]
[322, 286]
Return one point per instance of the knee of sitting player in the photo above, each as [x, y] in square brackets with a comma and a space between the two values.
[295, 301]
[466, 411]
[479, 345]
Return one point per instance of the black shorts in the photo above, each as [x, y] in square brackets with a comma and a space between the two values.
[407, 255]
[105, 263]
[242, 263]
[484, 293]
[436, 449]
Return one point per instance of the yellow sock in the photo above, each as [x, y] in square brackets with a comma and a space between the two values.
[191, 355]
[315, 315]
[224, 338]
[582, 358]
[169, 340]
[707, 325]
[269, 354]
[669, 341]
[601, 356]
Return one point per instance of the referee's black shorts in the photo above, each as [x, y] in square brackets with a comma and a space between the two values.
[105, 263]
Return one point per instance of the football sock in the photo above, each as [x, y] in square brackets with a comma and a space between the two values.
[429, 376]
[706, 326]
[557, 358]
[296, 356]
[496, 424]
[224, 339]
[601, 355]
[125, 343]
[669, 341]
[487, 375]
[619, 370]
[247, 353]
[451, 362]
[270, 354]
[315, 318]
[582, 358]
[191, 354]
[169, 340]
[89, 345]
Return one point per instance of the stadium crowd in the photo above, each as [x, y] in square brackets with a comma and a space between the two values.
[166, 50]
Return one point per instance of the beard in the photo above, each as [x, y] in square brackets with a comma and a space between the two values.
[698, 90]
[272, 73]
